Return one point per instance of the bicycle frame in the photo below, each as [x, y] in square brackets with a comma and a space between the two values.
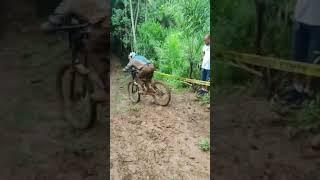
[133, 73]
[77, 45]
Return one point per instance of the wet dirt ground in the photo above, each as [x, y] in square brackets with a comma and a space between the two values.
[154, 142]
[251, 145]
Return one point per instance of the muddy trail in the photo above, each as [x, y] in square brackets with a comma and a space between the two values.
[251, 144]
[36, 143]
[154, 142]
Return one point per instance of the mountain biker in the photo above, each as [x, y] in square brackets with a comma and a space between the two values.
[145, 69]
[96, 12]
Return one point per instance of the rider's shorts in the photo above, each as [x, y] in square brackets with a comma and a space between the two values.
[146, 72]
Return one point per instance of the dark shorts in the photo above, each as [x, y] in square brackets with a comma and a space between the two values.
[146, 73]
[205, 75]
[306, 40]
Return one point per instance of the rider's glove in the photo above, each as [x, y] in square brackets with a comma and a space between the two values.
[124, 69]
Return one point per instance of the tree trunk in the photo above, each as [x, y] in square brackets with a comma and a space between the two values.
[191, 70]
[133, 27]
[146, 11]
[260, 7]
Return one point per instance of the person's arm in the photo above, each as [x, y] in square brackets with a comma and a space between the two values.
[62, 11]
[203, 53]
[129, 65]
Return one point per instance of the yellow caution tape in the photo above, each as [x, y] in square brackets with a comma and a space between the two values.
[270, 62]
[191, 81]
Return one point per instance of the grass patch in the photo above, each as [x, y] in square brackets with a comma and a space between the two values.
[134, 109]
[204, 144]
[307, 120]
[171, 82]
[204, 99]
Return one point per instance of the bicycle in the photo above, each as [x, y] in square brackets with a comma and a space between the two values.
[160, 92]
[73, 85]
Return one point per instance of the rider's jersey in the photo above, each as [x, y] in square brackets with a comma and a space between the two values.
[141, 59]
[138, 62]
[307, 12]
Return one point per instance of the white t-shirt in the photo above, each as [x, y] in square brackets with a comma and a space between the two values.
[206, 57]
[308, 12]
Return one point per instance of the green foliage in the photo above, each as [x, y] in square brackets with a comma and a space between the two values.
[120, 23]
[170, 55]
[169, 32]
[150, 35]
[308, 119]
[204, 99]
[235, 29]
[204, 144]
[234, 24]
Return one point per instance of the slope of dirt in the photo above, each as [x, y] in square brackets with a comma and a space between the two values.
[153, 142]
[36, 143]
[251, 145]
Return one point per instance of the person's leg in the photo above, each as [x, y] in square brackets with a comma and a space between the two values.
[300, 42]
[148, 74]
[314, 47]
[204, 77]
[141, 79]
[300, 51]
[208, 75]
[295, 95]
[314, 43]
[207, 78]
[97, 59]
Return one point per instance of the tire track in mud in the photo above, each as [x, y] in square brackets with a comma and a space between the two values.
[154, 142]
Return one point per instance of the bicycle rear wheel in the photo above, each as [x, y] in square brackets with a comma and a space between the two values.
[74, 90]
[162, 94]
[133, 90]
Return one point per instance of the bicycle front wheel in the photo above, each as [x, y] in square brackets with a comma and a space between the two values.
[162, 95]
[133, 90]
[74, 90]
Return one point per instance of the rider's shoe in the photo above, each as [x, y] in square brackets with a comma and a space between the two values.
[202, 91]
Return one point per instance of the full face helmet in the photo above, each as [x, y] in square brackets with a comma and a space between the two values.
[132, 54]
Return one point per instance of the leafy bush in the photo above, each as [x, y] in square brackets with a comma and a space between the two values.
[170, 55]
[308, 120]
[150, 35]
[170, 33]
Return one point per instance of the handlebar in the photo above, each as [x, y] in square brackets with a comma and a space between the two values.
[130, 70]
[72, 28]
